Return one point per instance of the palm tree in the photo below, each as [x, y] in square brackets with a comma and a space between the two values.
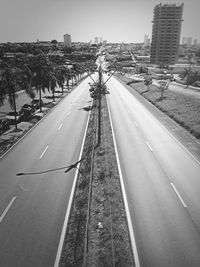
[40, 68]
[52, 83]
[61, 74]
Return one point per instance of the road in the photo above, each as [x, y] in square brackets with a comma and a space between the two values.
[162, 184]
[33, 207]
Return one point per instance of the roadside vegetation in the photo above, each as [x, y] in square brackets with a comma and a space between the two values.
[37, 69]
[184, 109]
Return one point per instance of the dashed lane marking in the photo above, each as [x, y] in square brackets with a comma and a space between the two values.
[44, 152]
[149, 145]
[61, 125]
[7, 208]
[178, 195]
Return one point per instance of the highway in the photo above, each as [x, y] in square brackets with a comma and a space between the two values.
[162, 184]
[33, 207]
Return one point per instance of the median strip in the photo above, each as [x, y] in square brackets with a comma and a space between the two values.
[98, 219]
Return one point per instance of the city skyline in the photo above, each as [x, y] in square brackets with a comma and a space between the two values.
[114, 20]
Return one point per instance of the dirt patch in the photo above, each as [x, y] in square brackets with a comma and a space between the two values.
[97, 232]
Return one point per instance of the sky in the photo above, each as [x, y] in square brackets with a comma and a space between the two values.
[114, 20]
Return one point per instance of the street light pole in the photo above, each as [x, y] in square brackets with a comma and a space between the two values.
[99, 115]
[189, 70]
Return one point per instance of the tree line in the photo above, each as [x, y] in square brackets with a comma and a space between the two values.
[37, 73]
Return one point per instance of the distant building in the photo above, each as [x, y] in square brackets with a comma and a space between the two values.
[187, 41]
[195, 42]
[96, 40]
[166, 32]
[146, 40]
[67, 40]
[100, 40]
[128, 47]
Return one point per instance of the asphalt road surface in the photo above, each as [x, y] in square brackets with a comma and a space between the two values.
[33, 207]
[162, 184]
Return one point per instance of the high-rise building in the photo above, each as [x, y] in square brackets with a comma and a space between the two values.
[166, 32]
[67, 40]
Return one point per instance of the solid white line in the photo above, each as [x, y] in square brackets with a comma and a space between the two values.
[7, 209]
[61, 125]
[179, 196]
[43, 152]
[132, 237]
[62, 238]
[149, 145]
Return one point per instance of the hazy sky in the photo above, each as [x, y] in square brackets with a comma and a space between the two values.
[113, 20]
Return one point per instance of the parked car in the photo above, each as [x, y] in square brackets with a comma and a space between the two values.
[36, 103]
[28, 107]
[12, 115]
[27, 111]
[4, 125]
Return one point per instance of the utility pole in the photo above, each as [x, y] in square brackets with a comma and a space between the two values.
[99, 117]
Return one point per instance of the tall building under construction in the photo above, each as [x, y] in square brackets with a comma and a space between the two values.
[166, 33]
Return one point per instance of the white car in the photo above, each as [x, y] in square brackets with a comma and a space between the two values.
[11, 116]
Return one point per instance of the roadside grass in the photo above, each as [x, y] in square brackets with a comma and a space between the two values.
[183, 109]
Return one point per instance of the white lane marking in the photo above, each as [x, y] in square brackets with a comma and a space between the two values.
[44, 152]
[69, 113]
[149, 145]
[136, 124]
[63, 233]
[7, 208]
[23, 188]
[61, 125]
[179, 196]
[132, 236]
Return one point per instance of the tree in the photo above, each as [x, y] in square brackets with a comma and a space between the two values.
[163, 85]
[54, 42]
[52, 83]
[190, 76]
[62, 74]
[13, 80]
[147, 82]
[40, 68]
